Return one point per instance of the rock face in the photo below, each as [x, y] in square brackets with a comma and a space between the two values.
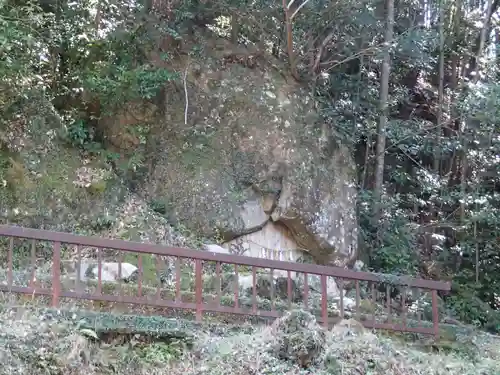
[247, 157]
[274, 241]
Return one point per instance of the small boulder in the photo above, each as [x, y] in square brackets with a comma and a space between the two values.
[109, 271]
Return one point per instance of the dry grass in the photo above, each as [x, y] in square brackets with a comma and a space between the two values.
[36, 341]
[349, 350]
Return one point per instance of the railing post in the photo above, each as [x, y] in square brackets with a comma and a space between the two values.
[324, 301]
[198, 289]
[56, 274]
[10, 266]
[435, 313]
[306, 291]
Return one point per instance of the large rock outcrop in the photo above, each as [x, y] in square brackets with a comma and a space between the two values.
[238, 151]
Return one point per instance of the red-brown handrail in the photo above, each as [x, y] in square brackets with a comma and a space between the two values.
[58, 238]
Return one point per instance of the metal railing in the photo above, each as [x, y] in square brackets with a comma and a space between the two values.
[381, 301]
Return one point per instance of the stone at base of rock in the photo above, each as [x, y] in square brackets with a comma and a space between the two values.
[110, 271]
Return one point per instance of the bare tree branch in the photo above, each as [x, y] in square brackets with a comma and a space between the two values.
[186, 95]
[289, 4]
[298, 9]
[317, 60]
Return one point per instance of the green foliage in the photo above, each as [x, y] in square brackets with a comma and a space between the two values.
[78, 133]
[161, 352]
[80, 66]
[467, 306]
[20, 47]
[97, 188]
[149, 273]
[114, 86]
[102, 222]
[391, 243]
[421, 224]
[158, 206]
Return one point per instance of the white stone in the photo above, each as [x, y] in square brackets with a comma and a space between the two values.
[349, 303]
[245, 282]
[109, 271]
[358, 265]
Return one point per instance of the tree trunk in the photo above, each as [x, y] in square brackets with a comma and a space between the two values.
[482, 40]
[384, 98]
[497, 52]
[437, 153]
[474, 74]
[98, 19]
[291, 11]
[235, 28]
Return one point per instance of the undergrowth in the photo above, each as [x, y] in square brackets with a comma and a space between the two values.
[46, 341]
